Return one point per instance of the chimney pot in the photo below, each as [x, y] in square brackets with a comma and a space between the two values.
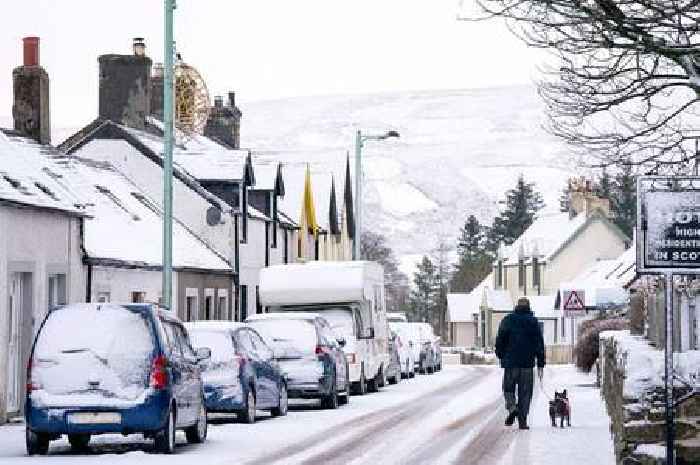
[31, 51]
[218, 101]
[158, 70]
[139, 47]
[232, 99]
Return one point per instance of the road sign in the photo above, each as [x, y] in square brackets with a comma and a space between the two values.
[574, 303]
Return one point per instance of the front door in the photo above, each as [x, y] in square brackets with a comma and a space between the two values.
[15, 348]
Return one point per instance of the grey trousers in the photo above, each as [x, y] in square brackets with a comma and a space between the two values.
[520, 379]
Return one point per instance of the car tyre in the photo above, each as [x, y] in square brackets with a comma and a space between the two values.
[361, 388]
[247, 415]
[37, 443]
[79, 442]
[283, 404]
[165, 438]
[197, 433]
[330, 401]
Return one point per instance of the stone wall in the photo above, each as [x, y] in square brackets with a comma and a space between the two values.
[631, 385]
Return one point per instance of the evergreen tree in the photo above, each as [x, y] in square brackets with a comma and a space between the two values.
[442, 282]
[423, 295]
[521, 205]
[375, 248]
[624, 200]
[604, 187]
[473, 258]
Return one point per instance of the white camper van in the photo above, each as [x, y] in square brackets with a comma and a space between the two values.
[350, 296]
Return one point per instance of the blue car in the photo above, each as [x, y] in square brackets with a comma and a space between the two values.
[110, 368]
[242, 375]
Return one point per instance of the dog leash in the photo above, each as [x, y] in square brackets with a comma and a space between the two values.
[541, 384]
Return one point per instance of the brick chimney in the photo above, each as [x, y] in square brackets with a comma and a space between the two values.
[224, 123]
[30, 83]
[584, 200]
[125, 87]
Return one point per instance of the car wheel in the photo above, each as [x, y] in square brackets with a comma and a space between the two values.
[361, 389]
[330, 401]
[283, 405]
[197, 433]
[37, 443]
[165, 438]
[247, 415]
[79, 442]
[393, 379]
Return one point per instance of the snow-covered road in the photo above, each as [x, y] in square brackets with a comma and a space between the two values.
[453, 417]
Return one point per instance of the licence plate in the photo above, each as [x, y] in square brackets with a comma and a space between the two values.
[94, 418]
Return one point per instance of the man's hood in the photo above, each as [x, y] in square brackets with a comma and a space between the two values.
[523, 309]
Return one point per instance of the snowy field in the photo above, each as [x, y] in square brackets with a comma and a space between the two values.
[453, 417]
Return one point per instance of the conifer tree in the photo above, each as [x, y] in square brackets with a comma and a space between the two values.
[473, 258]
[521, 205]
[422, 299]
[624, 200]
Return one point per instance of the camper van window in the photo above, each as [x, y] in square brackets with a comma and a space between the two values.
[341, 321]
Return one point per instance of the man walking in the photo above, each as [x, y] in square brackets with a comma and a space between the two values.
[518, 343]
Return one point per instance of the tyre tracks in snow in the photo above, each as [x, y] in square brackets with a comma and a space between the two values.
[359, 434]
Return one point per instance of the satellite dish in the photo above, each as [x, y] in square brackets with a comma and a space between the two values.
[191, 100]
[213, 216]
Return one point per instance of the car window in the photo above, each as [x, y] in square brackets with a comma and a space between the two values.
[244, 342]
[173, 341]
[185, 345]
[260, 347]
[328, 336]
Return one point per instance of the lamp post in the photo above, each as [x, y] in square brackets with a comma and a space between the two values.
[168, 117]
[360, 140]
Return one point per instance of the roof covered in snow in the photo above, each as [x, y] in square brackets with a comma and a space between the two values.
[462, 307]
[126, 225]
[498, 299]
[543, 306]
[28, 177]
[213, 326]
[550, 233]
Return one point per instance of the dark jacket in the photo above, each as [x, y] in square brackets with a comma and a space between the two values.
[519, 341]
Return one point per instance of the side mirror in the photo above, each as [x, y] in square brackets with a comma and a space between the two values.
[203, 353]
[341, 341]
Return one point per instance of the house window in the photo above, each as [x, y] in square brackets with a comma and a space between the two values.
[499, 274]
[138, 297]
[221, 313]
[57, 290]
[286, 247]
[244, 214]
[190, 308]
[244, 302]
[103, 297]
[274, 220]
[535, 272]
[267, 244]
[208, 300]
[521, 273]
[258, 305]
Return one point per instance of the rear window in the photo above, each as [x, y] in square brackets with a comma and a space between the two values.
[219, 342]
[283, 335]
[88, 348]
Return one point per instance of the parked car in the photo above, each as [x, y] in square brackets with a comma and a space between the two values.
[309, 353]
[393, 370]
[405, 343]
[396, 317]
[242, 375]
[423, 347]
[437, 349]
[109, 368]
[350, 296]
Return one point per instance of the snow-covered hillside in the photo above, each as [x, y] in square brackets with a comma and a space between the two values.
[459, 151]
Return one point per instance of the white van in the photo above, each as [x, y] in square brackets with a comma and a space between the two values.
[350, 296]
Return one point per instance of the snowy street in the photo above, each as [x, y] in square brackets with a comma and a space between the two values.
[455, 416]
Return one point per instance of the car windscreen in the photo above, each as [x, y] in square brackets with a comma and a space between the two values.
[340, 320]
[219, 342]
[89, 348]
[288, 337]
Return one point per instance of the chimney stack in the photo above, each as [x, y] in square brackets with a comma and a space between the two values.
[30, 83]
[125, 87]
[224, 123]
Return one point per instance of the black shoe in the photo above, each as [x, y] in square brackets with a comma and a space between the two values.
[510, 419]
[523, 425]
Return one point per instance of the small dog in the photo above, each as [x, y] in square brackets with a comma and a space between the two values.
[560, 407]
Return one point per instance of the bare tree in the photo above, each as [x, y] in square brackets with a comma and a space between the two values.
[627, 81]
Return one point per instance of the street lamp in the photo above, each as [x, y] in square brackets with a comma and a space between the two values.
[168, 115]
[360, 140]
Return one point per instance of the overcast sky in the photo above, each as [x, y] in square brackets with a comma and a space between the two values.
[266, 49]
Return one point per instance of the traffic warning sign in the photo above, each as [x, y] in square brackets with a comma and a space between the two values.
[574, 303]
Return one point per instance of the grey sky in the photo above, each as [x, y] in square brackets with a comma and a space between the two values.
[266, 48]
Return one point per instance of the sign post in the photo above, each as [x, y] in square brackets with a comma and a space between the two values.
[574, 306]
[668, 243]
